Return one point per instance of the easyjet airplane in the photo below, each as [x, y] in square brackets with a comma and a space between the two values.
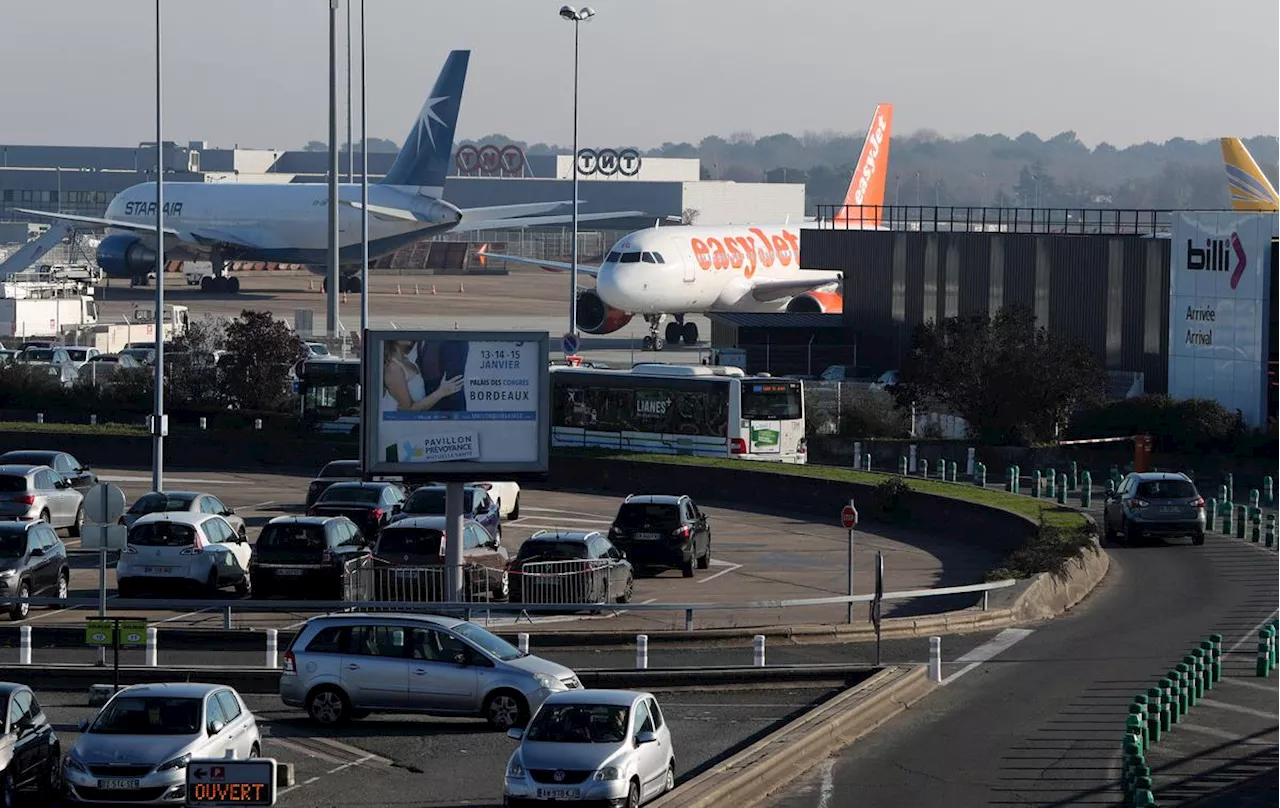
[676, 271]
[1250, 188]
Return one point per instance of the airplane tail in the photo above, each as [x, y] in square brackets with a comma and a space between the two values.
[866, 189]
[427, 153]
[1250, 189]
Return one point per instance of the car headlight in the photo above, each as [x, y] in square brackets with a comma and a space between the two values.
[607, 773]
[548, 682]
[514, 769]
[73, 763]
[176, 763]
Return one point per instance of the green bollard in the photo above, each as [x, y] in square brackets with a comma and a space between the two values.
[1137, 772]
[924, 468]
[1231, 488]
[1255, 498]
[1170, 685]
[1035, 484]
[1111, 486]
[1271, 530]
[1226, 519]
[1062, 492]
[1209, 513]
[866, 461]
[902, 465]
[1143, 798]
[1075, 476]
[1240, 519]
[1200, 668]
[1184, 687]
[954, 470]
[1269, 490]
[1051, 483]
[981, 475]
[942, 469]
[1216, 639]
[1017, 479]
[1135, 726]
[1206, 651]
[1255, 525]
[1086, 489]
[1193, 681]
[1264, 654]
[1139, 708]
[1157, 713]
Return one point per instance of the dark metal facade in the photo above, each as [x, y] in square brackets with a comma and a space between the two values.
[785, 344]
[1109, 292]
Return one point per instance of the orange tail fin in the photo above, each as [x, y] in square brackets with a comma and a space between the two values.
[866, 188]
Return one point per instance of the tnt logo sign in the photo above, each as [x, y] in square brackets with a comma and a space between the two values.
[1215, 257]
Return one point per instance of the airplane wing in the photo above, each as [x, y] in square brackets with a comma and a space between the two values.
[513, 211]
[383, 212]
[534, 221]
[764, 290]
[551, 266]
[98, 222]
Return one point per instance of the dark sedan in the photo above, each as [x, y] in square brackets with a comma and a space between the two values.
[428, 500]
[66, 465]
[335, 471]
[369, 505]
[30, 756]
[33, 563]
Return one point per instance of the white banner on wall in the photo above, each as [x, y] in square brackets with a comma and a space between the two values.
[1220, 282]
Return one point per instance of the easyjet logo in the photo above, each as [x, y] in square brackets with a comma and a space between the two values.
[869, 168]
[747, 252]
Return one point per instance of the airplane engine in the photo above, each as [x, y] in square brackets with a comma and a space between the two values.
[816, 303]
[125, 256]
[597, 317]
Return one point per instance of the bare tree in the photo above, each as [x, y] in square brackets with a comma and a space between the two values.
[689, 216]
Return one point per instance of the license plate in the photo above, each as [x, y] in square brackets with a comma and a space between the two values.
[648, 536]
[294, 573]
[559, 794]
[1170, 509]
[118, 785]
[156, 570]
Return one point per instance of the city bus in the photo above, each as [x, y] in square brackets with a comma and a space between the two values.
[712, 411]
[329, 390]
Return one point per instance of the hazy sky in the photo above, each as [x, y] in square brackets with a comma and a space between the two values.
[254, 72]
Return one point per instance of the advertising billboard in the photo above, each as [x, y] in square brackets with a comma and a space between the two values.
[456, 404]
[1220, 283]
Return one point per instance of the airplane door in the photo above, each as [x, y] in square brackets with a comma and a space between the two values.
[690, 265]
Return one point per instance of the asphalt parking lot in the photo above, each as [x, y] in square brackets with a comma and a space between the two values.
[756, 556]
[434, 763]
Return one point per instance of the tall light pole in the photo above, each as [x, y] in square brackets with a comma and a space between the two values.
[331, 309]
[351, 147]
[364, 190]
[157, 425]
[575, 17]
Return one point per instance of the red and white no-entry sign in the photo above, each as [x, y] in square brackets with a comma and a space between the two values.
[848, 516]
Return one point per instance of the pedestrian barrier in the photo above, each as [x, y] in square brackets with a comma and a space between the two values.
[377, 579]
[1156, 711]
[585, 581]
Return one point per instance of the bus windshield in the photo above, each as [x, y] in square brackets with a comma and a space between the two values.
[772, 401]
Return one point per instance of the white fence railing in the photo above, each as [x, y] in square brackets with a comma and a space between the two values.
[374, 580]
[573, 581]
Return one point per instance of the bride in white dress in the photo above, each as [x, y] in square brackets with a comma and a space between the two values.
[403, 385]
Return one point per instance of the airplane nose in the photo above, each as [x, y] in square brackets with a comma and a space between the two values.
[616, 287]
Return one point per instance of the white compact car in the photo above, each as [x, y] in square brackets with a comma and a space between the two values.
[508, 496]
[602, 747]
[183, 548]
[136, 750]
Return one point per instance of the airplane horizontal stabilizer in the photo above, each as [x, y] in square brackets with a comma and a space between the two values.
[550, 266]
[535, 221]
[384, 213]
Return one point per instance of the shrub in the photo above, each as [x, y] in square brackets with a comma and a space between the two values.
[1050, 550]
[1187, 426]
[889, 500]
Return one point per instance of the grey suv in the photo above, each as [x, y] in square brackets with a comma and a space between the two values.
[1154, 502]
[38, 492]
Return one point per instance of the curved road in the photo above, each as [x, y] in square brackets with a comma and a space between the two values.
[1041, 724]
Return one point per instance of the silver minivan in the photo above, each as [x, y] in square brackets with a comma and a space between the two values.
[345, 666]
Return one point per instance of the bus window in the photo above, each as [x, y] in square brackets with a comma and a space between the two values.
[768, 401]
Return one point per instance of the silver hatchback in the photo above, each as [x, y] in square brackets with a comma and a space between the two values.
[345, 666]
[28, 493]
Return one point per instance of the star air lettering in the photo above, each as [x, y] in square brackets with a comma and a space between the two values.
[745, 253]
[149, 209]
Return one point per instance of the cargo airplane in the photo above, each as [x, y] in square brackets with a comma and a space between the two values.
[676, 271]
[289, 223]
[1249, 187]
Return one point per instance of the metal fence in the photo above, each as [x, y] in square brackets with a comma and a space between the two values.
[374, 580]
[579, 581]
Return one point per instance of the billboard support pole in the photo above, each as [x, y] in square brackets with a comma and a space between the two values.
[453, 540]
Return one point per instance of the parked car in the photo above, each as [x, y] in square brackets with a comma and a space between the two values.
[8, 356]
[137, 748]
[30, 753]
[507, 495]
[317, 350]
[1155, 502]
[609, 572]
[309, 555]
[602, 747]
[370, 505]
[168, 550]
[67, 467]
[140, 354]
[336, 471]
[419, 541]
[428, 500]
[662, 531]
[33, 563]
[183, 502]
[345, 666]
[30, 492]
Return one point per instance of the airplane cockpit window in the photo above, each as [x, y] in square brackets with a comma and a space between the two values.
[648, 258]
[613, 257]
[631, 258]
[658, 256]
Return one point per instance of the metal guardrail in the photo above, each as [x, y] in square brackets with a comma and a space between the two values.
[376, 580]
[567, 581]
[468, 609]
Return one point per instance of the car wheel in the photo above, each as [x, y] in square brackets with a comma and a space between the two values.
[51, 783]
[44, 517]
[628, 590]
[73, 531]
[504, 709]
[705, 560]
[1132, 534]
[1109, 535]
[244, 586]
[671, 776]
[211, 585]
[19, 611]
[687, 568]
[633, 795]
[328, 707]
[515, 510]
[255, 751]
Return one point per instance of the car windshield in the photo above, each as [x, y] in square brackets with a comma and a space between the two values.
[162, 534]
[551, 550]
[416, 540]
[160, 503]
[78, 354]
[1166, 489]
[351, 493]
[291, 537]
[633, 514]
[426, 500]
[38, 355]
[580, 723]
[491, 643]
[10, 483]
[340, 468]
[13, 541]
[141, 715]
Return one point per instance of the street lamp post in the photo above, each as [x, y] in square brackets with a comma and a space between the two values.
[332, 275]
[575, 17]
[364, 191]
[158, 424]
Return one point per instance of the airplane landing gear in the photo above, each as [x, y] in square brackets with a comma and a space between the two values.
[220, 281]
[653, 342]
[680, 331]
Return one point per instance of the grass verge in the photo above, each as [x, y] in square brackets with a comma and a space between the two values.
[32, 428]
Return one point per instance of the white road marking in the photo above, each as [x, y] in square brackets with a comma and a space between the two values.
[988, 651]
[600, 517]
[1252, 634]
[1226, 736]
[305, 750]
[181, 616]
[828, 787]
[258, 505]
[1231, 680]
[727, 569]
[557, 520]
[1235, 708]
[188, 480]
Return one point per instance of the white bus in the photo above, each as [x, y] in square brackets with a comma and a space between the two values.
[677, 409]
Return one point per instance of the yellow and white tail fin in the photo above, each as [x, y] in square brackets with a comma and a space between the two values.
[866, 189]
[1250, 189]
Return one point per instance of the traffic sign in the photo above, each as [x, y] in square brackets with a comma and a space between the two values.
[101, 631]
[104, 537]
[849, 517]
[571, 343]
[227, 782]
[104, 503]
